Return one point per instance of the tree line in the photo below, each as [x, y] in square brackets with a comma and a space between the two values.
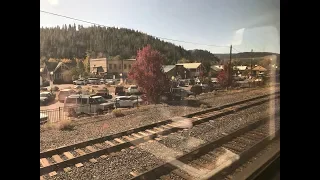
[78, 42]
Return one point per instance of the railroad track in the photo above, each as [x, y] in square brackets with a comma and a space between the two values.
[216, 159]
[73, 155]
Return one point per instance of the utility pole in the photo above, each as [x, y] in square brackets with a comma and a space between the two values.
[251, 64]
[230, 68]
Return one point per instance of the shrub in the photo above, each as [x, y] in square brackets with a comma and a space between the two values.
[55, 88]
[117, 113]
[61, 125]
[203, 106]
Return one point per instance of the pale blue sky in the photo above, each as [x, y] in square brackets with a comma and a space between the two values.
[247, 24]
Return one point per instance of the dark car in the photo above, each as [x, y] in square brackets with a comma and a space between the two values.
[119, 91]
[46, 98]
[205, 88]
[104, 93]
[196, 89]
[186, 93]
[182, 83]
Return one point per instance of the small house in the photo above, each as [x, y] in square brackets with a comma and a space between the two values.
[61, 75]
[195, 68]
[44, 72]
[258, 71]
[176, 71]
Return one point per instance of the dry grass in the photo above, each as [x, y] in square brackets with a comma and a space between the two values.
[203, 106]
[61, 125]
[117, 113]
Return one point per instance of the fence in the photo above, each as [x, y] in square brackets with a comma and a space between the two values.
[54, 115]
[68, 113]
[72, 112]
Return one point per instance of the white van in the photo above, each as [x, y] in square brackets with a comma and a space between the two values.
[65, 93]
[86, 104]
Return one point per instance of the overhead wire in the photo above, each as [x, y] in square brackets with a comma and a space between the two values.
[89, 22]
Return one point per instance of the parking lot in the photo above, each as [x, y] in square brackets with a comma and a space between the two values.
[56, 104]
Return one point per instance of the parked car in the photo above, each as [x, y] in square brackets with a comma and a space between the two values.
[216, 86]
[175, 94]
[87, 104]
[104, 93]
[80, 82]
[65, 93]
[43, 117]
[196, 89]
[138, 99]
[110, 81]
[133, 89]
[181, 83]
[93, 81]
[186, 93]
[46, 98]
[187, 82]
[119, 90]
[77, 87]
[102, 81]
[43, 89]
[205, 88]
[125, 101]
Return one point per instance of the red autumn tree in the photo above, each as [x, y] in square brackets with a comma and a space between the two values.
[147, 72]
[223, 76]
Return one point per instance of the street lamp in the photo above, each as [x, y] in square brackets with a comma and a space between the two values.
[51, 80]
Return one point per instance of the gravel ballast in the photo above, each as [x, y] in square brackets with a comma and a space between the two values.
[98, 127]
[150, 154]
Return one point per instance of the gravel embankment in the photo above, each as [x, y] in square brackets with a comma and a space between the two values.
[111, 167]
[214, 128]
[185, 141]
[148, 155]
[252, 160]
[98, 127]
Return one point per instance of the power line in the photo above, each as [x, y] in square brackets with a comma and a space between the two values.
[236, 50]
[76, 19]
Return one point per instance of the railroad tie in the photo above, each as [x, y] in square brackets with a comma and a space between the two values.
[142, 133]
[165, 127]
[128, 138]
[157, 129]
[119, 140]
[171, 125]
[134, 173]
[136, 135]
[109, 143]
[150, 131]
[183, 175]
[92, 149]
[58, 159]
[99, 146]
[70, 156]
[44, 162]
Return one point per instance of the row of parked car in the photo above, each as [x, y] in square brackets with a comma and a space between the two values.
[95, 81]
[94, 104]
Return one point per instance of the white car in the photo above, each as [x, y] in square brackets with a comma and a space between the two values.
[102, 81]
[80, 82]
[125, 101]
[133, 89]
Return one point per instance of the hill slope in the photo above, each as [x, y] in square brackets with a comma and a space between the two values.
[71, 42]
[75, 42]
